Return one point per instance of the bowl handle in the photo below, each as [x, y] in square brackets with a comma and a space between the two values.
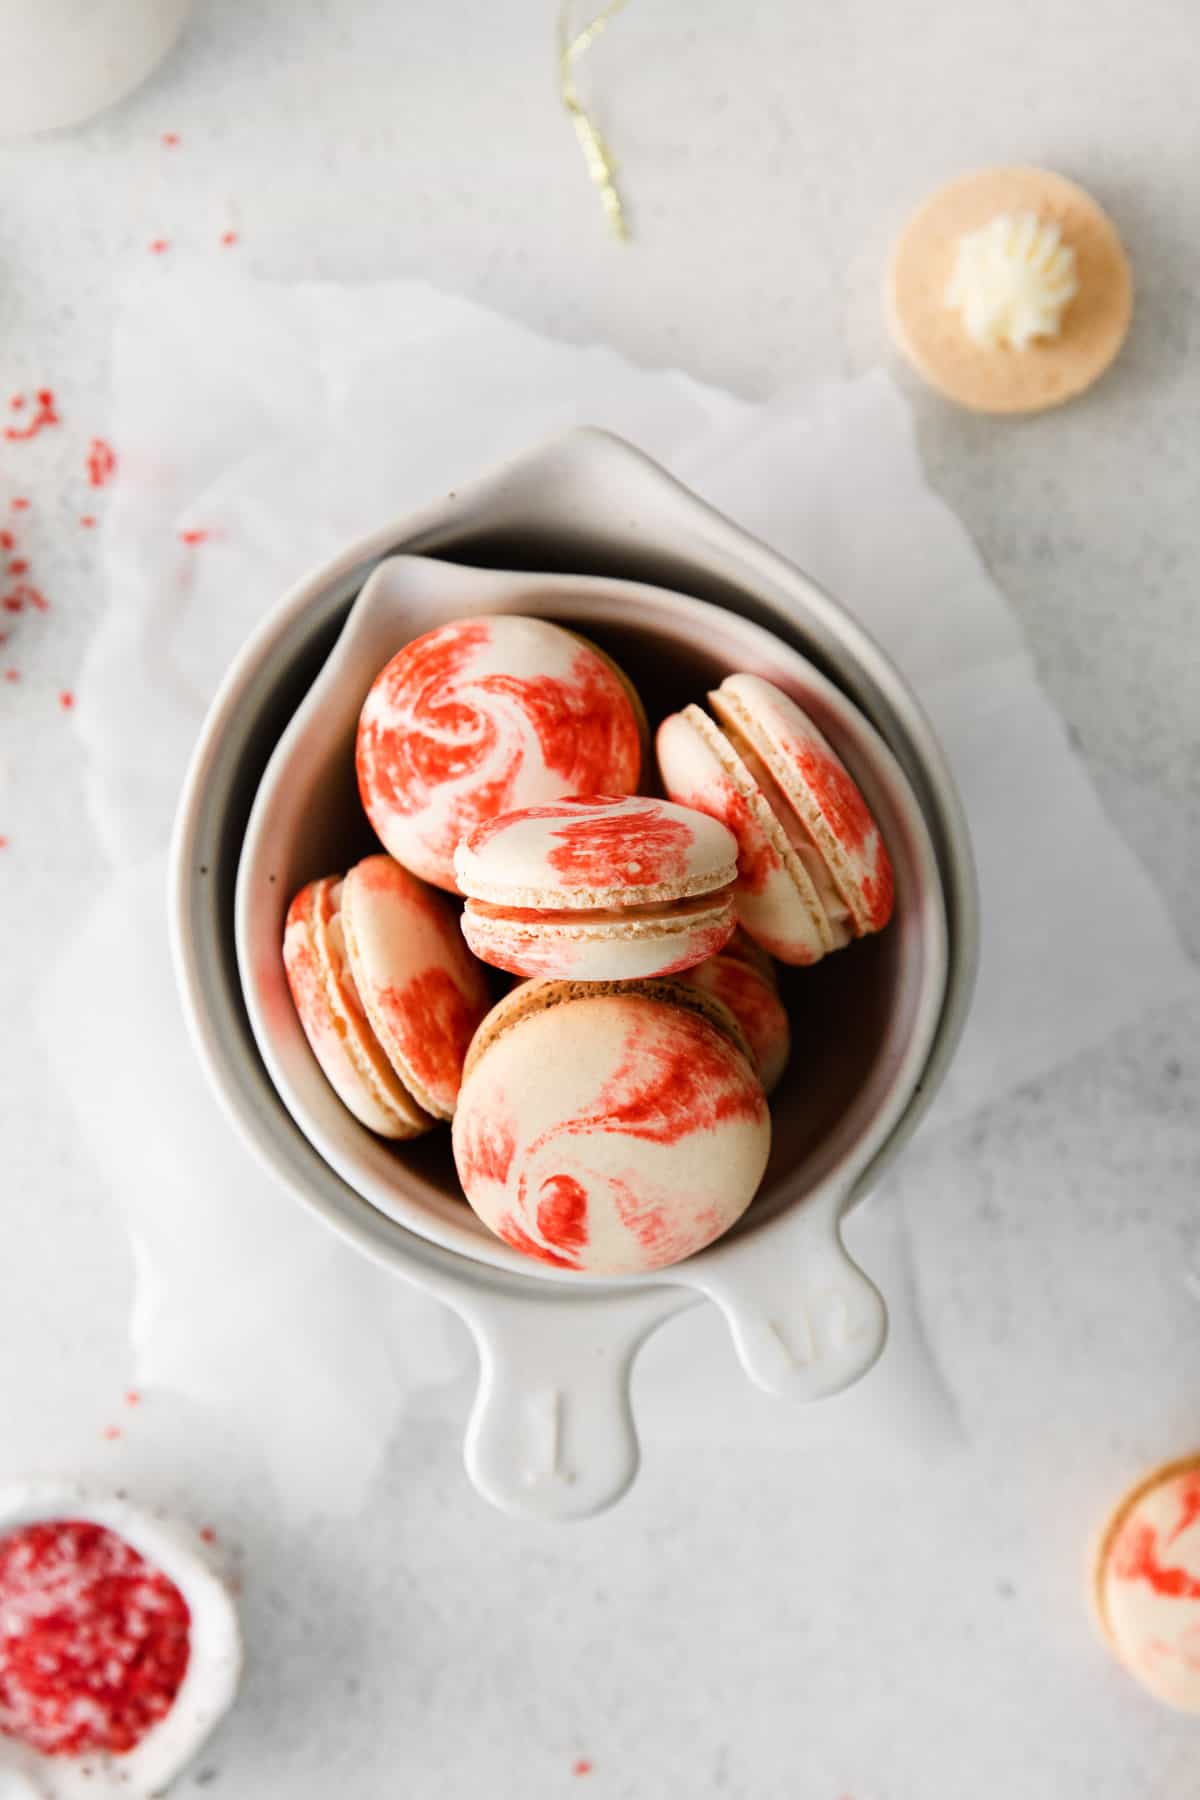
[805, 1320]
[551, 1434]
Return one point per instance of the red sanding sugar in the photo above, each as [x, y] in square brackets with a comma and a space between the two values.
[93, 1641]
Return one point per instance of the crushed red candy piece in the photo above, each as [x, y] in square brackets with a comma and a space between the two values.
[170, 139]
[101, 467]
[88, 521]
[192, 537]
[94, 1642]
[46, 414]
[229, 239]
[66, 699]
[159, 246]
[19, 504]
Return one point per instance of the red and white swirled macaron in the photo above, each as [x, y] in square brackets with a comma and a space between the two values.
[598, 888]
[386, 993]
[483, 716]
[813, 870]
[610, 1129]
[1147, 1583]
[748, 988]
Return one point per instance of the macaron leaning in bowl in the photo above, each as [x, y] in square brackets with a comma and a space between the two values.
[483, 716]
[610, 1128]
[598, 888]
[748, 987]
[386, 993]
[813, 869]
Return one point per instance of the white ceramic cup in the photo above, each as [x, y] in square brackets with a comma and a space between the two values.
[551, 1433]
[62, 61]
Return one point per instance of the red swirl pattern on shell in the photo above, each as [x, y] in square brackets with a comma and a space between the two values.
[482, 716]
[675, 1077]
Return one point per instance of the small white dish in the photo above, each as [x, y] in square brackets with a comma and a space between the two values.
[214, 1652]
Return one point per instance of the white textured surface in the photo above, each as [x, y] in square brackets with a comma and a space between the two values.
[771, 1622]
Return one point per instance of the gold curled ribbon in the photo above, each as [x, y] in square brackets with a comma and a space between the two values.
[596, 153]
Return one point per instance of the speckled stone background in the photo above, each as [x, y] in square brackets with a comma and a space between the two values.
[884, 1624]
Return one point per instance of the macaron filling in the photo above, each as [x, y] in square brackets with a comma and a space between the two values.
[663, 913]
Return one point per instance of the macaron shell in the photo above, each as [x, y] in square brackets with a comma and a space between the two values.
[596, 851]
[483, 716]
[820, 789]
[777, 902]
[743, 948]
[332, 1017]
[422, 992]
[1051, 370]
[601, 946]
[611, 1134]
[1148, 1583]
[754, 1001]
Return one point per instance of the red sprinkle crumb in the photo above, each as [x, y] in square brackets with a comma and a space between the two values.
[7, 541]
[45, 415]
[88, 521]
[171, 139]
[133, 1398]
[18, 566]
[159, 246]
[193, 537]
[66, 699]
[17, 402]
[582, 1767]
[94, 1642]
[3, 843]
[35, 599]
[228, 239]
[207, 1534]
[111, 1433]
[101, 466]
[12, 674]
[20, 504]
[13, 603]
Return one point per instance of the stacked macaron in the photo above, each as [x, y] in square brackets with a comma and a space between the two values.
[610, 1114]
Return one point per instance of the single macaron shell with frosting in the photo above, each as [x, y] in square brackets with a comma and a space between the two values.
[483, 716]
[386, 993]
[598, 888]
[813, 869]
[610, 1129]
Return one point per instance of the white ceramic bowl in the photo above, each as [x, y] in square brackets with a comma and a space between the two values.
[270, 802]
